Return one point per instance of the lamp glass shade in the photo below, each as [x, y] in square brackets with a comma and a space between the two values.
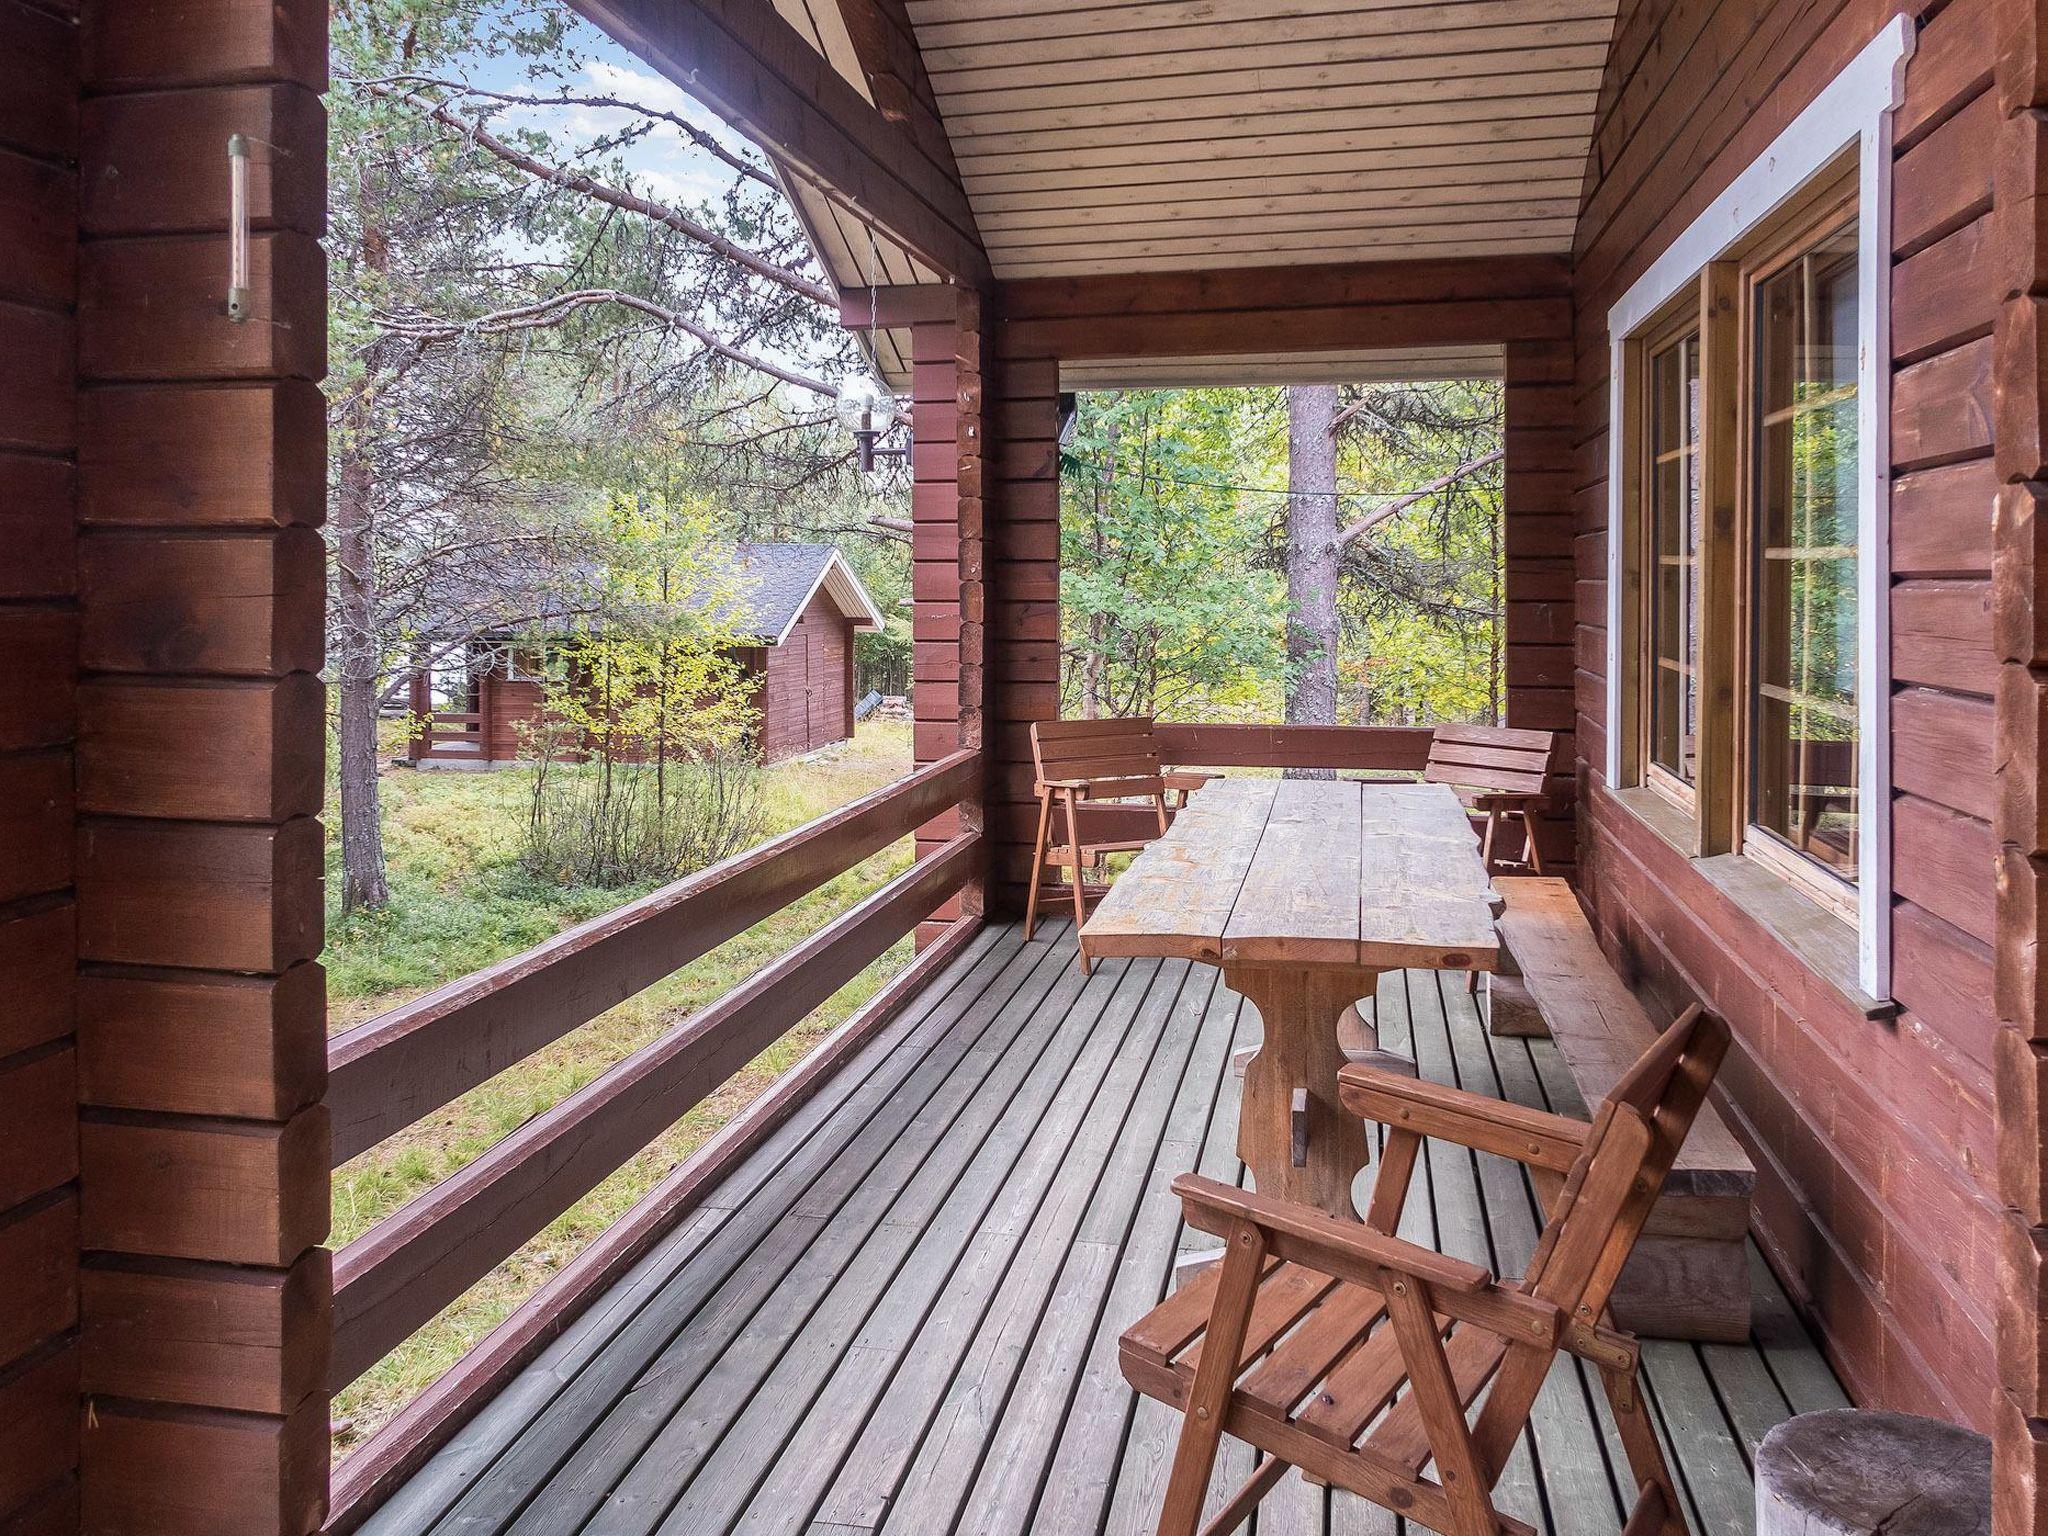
[863, 405]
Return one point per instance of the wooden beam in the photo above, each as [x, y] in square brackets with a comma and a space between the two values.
[754, 70]
[1341, 306]
[402, 1271]
[886, 308]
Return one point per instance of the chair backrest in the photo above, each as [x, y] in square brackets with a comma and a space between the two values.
[1108, 758]
[1490, 757]
[1611, 1189]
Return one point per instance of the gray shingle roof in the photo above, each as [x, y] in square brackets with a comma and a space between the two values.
[779, 579]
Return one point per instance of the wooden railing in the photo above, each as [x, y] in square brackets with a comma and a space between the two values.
[1390, 749]
[388, 1073]
[1349, 748]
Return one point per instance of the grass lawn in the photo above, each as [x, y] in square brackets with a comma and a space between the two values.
[460, 901]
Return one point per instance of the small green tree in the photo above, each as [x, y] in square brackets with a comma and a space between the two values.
[651, 696]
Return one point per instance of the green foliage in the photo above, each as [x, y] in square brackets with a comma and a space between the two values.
[1165, 606]
[1173, 545]
[650, 693]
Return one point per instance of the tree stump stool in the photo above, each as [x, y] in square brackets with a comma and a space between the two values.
[1845, 1472]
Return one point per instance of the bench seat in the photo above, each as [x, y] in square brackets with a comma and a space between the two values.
[1689, 1275]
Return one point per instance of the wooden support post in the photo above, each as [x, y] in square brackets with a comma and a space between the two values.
[204, 1294]
[39, 1353]
[2020, 623]
[947, 607]
[1537, 539]
[1023, 602]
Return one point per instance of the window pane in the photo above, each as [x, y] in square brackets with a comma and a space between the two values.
[1803, 786]
[1674, 539]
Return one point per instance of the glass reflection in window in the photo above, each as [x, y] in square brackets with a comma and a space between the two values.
[1802, 708]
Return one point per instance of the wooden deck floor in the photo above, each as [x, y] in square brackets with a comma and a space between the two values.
[901, 1315]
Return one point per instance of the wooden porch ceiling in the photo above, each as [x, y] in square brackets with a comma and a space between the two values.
[1165, 135]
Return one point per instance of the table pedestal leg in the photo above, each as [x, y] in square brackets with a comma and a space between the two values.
[1299, 1057]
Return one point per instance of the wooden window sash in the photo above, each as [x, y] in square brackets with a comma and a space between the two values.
[1786, 241]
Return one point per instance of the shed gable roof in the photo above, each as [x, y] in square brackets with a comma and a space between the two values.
[780, 580]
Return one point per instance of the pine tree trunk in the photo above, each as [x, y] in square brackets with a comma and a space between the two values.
[1312, 560]
[363, 879]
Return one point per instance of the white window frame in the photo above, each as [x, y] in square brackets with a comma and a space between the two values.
[1854, 110]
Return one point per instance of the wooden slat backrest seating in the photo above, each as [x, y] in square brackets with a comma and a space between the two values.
[1091, 762]
[1499, 773]
[1335, 1347]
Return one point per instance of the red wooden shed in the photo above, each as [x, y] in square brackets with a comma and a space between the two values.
[804, 605]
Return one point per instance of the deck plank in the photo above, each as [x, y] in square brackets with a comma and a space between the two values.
[902, 1311]
[685, 1384]
[972, 1190]
[754, 1252]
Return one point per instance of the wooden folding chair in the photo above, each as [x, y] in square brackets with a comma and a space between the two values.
[1499, 775]
[1092, 762]
[1335, 1347]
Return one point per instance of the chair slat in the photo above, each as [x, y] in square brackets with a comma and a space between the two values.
[1495, 735]
[1498, 781]
[1301, 1360]
[1473, 1356]
[1179, 1320]
[1284, 1296]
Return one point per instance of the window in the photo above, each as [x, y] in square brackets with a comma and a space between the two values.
[1671, 484]
[1747, 618]
[1802, 726]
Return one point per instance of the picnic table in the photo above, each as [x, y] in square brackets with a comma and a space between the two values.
[1304, 892]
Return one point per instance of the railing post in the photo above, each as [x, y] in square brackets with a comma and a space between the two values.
[1023, 602]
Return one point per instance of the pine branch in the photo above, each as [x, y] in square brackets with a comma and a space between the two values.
[616, 197]
[1394, 508]
[557, 308]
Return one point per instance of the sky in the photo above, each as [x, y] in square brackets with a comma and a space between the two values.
[663, 164]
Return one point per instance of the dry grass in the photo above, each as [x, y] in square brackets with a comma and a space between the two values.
[460, 903]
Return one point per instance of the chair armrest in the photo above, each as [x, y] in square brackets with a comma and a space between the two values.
[1187, 779]
[1345, 1245]
[1473, 1120]
[1362, 1255]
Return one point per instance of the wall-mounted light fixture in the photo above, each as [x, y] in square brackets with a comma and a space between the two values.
[867, 410]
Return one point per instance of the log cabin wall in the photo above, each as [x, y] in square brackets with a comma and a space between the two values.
[1873, 1136]
[1536, 532]
[2019, 231]
[39, 1347]
[948, 612]
[203, 1144]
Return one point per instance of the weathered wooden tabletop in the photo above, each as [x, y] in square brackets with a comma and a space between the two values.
[1307, 872]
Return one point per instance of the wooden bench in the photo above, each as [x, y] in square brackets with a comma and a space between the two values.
[1689, 1275]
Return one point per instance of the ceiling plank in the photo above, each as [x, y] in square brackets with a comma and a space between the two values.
[744, 62]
